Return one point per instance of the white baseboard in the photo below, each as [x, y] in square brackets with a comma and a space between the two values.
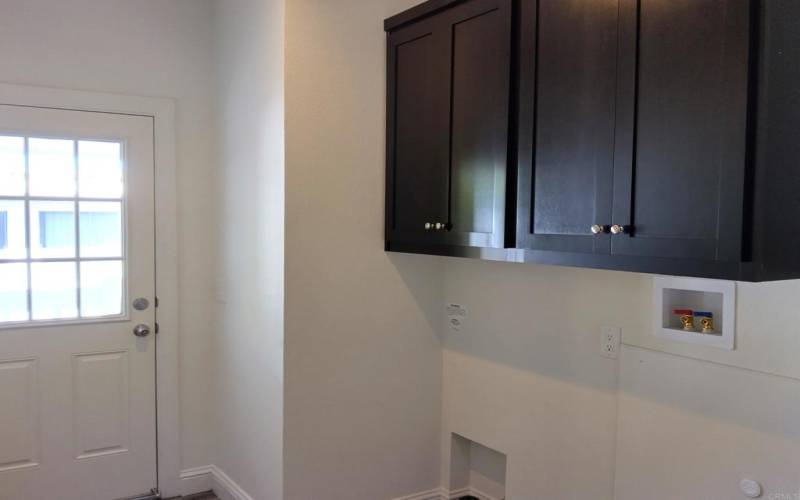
[434, 494]
[211, 477]
[196, 480]
[472, 492]
[443, 494]
[226, 488]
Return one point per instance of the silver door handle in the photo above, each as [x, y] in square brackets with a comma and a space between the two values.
[141, 330]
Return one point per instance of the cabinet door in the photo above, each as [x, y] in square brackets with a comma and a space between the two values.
[681, 128]
[568, 76]
[479, 41]
[417, 132]
[448, 117]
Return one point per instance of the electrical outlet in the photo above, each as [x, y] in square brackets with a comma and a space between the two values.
[456, 316]
[610, 338]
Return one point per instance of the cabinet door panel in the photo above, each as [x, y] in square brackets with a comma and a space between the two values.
[568, 84]
[681, 190]
[480, 44]
[417, 149]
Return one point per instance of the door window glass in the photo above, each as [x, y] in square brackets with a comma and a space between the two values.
[12, 166]
[62, 212]
[3, 230]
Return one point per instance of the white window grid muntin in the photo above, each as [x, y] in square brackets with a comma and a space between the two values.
[77, 259]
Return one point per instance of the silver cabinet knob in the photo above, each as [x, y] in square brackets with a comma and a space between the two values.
[428, 226]
[141, 330]
[617, 229]
[598, 229]
[439, 226]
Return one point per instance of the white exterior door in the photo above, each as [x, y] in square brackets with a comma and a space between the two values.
[77, 386]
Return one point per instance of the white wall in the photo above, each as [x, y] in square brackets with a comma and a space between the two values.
[150, 48]
[524, 376]
[249, 343]
[765, 339]
[363, 360]
[690, 429]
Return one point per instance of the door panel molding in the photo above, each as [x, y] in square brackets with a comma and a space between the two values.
[20, 399]
[101, 420]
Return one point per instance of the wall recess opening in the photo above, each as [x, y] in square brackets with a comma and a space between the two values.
[476, 471]
[695, 311]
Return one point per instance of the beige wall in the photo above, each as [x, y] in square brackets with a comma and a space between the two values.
[524, 376]
[148, 48]
[363, 361]
[249, 343]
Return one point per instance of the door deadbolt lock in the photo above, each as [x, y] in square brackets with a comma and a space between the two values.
[141, 304]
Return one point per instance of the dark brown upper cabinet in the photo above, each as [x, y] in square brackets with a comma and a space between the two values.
[633, 129]
[448, 107]
[639, 135]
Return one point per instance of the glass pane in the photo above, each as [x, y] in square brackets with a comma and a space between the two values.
[52, 167]
[53, 293]
[100, 169]
[12, 229]
[101, 289]
[12, 166]
[101, 229]
[13, 292]
[52, 229]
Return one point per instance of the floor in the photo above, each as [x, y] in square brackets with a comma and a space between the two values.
[209, 495]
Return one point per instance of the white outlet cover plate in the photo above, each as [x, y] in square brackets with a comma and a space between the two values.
[456, 315]
[610, 340]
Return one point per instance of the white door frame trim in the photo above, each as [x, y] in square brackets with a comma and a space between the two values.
[162, 111]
